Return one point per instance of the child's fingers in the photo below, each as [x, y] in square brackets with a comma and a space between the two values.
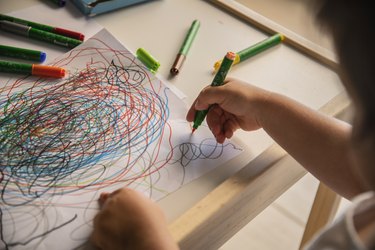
[209, 96]
[103, 198]
[220, 138]
[213, 119]
[229, 127]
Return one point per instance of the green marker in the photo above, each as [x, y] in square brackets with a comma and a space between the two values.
[217, 81]
[151, 63]
[39, 26]
[39, 34]
[254, 50]
[22, 53]
[180, 58]
[32, 69]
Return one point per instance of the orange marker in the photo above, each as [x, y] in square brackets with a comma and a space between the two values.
[33, 69]
[48, 71]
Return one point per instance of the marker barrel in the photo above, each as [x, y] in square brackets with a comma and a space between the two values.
[199, 117]
[22, 53]
[18, 68]
[218, 80]
[254, 49]
[54, 38]
[224, 69]
[26, 23]
[33, 69]
[177, 64]
[180, 58]
[15, 28]
[259, 47]
[190, 37]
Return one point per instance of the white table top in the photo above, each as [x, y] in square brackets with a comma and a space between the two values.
[160, 27]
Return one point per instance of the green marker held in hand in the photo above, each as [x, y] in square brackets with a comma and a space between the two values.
[218, 80]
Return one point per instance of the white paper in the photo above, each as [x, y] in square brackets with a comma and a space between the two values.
[109, 123]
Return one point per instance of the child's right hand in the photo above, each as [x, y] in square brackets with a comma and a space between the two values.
[235, 105]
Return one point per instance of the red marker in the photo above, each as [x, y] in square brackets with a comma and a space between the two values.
[56, 30]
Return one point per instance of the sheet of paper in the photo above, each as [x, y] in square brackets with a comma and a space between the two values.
[109, 123]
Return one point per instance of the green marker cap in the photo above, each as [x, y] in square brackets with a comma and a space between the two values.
[148, 60]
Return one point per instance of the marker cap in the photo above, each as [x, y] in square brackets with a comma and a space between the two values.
[148, 60]
[43, 56]
[49, 71]
[69, 33]
[231, 55]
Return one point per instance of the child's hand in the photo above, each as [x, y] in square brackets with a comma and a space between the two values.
[234, 105]
[128, 220]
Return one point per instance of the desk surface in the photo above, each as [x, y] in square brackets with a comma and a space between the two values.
[160, 27]
[302, 22]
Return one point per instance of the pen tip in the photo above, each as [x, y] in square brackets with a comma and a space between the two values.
[192, 131]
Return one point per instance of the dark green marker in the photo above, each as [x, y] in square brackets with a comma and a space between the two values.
[32, 69]
[39, 34]
[27, 54]
[217, 81]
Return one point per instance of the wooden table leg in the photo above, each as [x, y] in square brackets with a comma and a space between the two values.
[322, 212]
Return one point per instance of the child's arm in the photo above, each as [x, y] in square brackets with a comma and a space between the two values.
[320, 143]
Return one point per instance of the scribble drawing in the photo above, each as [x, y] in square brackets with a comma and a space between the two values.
[62, 141]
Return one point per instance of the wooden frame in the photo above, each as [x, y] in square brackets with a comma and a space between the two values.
[316, 52]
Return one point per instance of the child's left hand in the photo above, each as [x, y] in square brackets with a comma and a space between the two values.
[129, 220]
